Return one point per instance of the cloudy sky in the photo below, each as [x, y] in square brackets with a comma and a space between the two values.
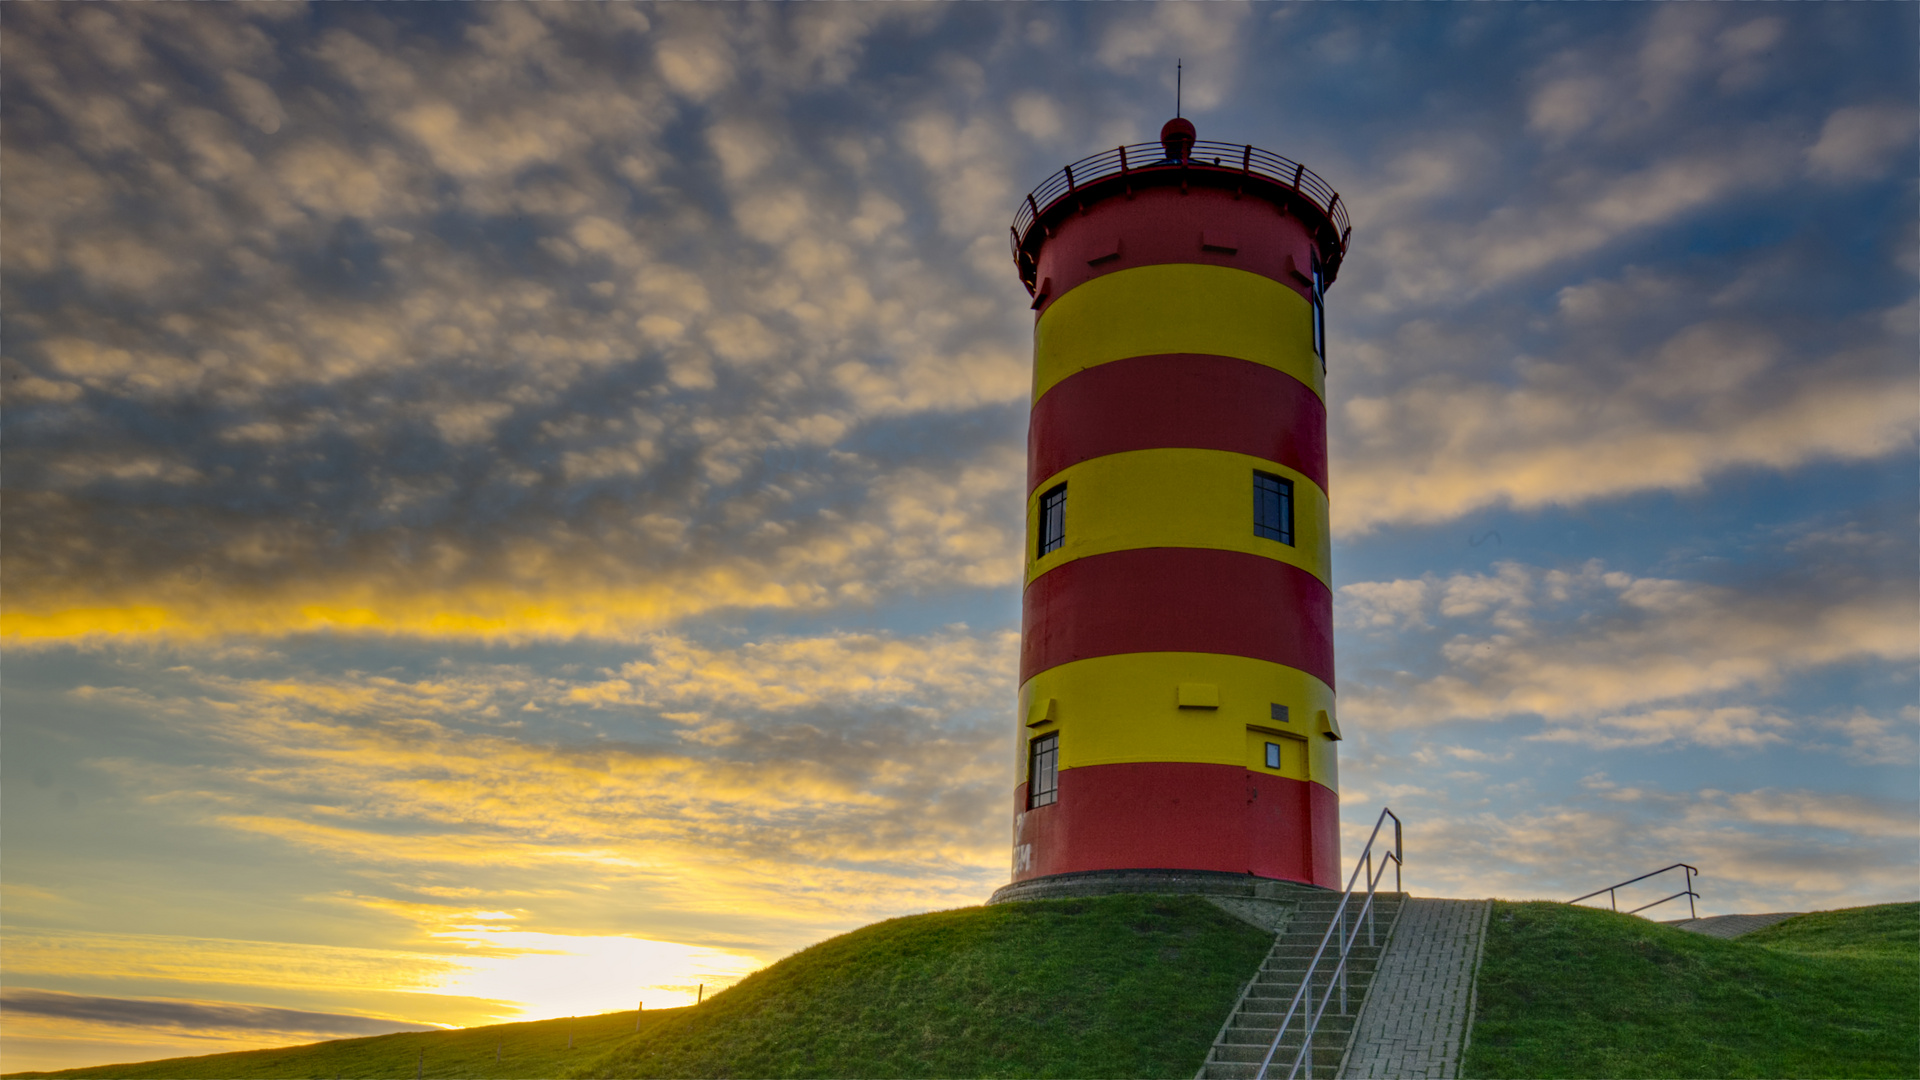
[515, 509]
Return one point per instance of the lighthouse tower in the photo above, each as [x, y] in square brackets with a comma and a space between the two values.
[1176, 710]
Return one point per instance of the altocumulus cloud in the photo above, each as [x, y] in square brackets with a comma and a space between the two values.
[1634, 644]
[456, 339]
[1464, 394]
[463, 333]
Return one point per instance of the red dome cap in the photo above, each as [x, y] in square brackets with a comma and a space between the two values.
[1177, 137]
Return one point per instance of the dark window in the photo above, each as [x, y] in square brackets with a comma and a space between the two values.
[1053, 519]
[1273, 755]
[1278, 712]
[1319, 313]
[1273, 507]
[1043, 771]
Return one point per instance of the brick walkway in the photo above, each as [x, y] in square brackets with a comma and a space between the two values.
[1731, 926]
[1417, 1014]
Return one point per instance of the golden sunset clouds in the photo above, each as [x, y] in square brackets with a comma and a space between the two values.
[508, 508]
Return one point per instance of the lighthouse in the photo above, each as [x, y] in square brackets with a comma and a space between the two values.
[1176, 708]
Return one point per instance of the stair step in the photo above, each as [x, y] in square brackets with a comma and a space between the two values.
[1271, 1020]
[1241, 1053]
[1310, 937]
[1326, 1061]
[1230, 1070]
[1324, 1052]
[1274, 997]
[1328, 961]
[1306, 947]
[1267, 981]
[1268, 1021]
[1237, 1038]
[1232, 1053]
[1323, 976]
[1303, 953]
[1295, 966]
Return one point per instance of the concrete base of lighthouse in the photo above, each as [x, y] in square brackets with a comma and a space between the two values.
[1264, 902]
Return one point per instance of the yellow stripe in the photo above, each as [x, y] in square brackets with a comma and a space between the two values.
[1176, 308]
[1177, 498]
[1123, 709]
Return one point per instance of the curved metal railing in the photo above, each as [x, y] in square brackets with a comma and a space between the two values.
[1217, 157]
[1687, 892]
[1343, 941]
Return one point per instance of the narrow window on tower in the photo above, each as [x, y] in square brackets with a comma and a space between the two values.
[1043, 770]
[1273, 755]
[1320, 312]
[1272, 507]
[1053, 520]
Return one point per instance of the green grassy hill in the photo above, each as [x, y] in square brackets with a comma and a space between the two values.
[1116, 986]
[535, 1049]
[1576, 992]
[1138, 985]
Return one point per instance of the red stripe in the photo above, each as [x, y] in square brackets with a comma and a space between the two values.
[1164, 225]
[1174, 816]
[1177, 600]
[1178, 400]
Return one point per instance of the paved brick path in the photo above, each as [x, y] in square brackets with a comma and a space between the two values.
[1731, 926]
[1415, 1022]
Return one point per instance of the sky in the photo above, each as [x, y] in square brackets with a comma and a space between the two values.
[514, 510]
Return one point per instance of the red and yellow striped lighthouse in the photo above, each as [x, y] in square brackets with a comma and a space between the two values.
[1176, 667]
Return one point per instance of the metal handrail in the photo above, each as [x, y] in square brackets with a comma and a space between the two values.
[1230, 159]
[1687, 892]
[1311, 1017]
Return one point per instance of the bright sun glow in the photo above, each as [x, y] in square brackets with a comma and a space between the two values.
[552, 975]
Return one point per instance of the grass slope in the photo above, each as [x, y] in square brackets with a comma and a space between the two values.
[535, 1049]
[1115, 986]
[1576, 992]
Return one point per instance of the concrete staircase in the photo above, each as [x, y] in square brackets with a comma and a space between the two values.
[1249, 1029]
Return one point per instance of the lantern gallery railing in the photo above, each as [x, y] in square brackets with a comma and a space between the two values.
[1216, 159]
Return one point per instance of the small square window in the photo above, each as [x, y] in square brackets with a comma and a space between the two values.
[1053, 520]
[1273, 507]
[1043, 771]
[1278, 712]
[1273, 755]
